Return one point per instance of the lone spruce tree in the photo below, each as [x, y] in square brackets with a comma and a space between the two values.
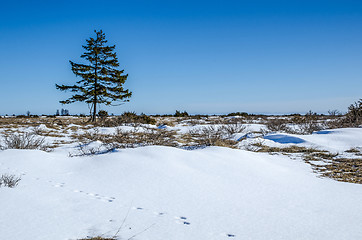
[101, 82]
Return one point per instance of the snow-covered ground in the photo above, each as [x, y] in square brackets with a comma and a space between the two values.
[158, 192]
[333, 140]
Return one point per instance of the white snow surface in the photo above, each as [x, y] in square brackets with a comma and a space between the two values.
[334, 140]
[211, 193]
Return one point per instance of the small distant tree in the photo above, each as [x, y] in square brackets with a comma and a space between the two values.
[64, 112]
[57, 113]
[103, 114]
[180, 114]
[101, 82]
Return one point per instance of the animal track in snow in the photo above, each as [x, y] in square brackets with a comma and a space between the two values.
[96, 196]
[159, 213]
[139, 208]
[228, 235]
[89, 195]
[59, 185]
[181, 220]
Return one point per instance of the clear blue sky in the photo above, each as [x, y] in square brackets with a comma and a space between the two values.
[200, 56]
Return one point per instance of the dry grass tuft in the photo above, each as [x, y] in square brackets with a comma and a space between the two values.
[259, 147]
[340, 169]
[10, 181]
[24, 141]
[210, 136]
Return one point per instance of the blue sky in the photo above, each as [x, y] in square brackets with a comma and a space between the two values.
[200, 56]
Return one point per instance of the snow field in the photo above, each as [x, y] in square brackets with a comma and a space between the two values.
[211, 193]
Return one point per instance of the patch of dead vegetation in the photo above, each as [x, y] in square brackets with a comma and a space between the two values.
[356, 151]
[130, 139]
[324, 163]
[260, 147]
[338, 168]
[212, 136]
[24, 141]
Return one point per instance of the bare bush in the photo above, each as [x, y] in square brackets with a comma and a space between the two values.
[37, 131]
[8, 180]
[338, 122]
[24, 141]
[230, 129]
[85, 149]
[334, 113]
[124, 139]
[147, 137]
[308, 127]
[233, 120]
[276, 125]
[156, 137]
[353, 118]
[131, 118]
[209, 136]
[206, 135]
[306, 124]
[126, 119]
[90, 136]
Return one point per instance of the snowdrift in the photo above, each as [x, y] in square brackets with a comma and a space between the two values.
[211, 193]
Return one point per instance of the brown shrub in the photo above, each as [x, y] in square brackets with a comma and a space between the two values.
[209, 136]
[276, 124]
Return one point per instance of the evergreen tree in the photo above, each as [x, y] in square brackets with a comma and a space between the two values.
[64, 112]
[101, 82]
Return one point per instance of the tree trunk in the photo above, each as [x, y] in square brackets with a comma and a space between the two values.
[95, 94]
[94, 109]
